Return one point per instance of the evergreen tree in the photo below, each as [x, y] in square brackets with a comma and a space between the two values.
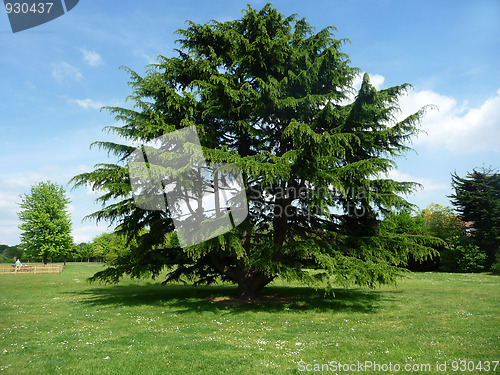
[268, 94]
[46, 225]
[477, 200]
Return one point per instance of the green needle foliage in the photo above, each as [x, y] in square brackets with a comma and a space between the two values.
[46, 225]
[269, 94]
[477, 200]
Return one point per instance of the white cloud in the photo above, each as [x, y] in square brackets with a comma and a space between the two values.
[455, 126]
[452, 125]
[429, 187]
[88, 232]
[87, 103]
[8, 202]
[376, 80]
[62, 71]
[148, 58]
[9, 222]
[92, 58]
[430, 190]
[54, 173]
[9, 232]
[24, 181]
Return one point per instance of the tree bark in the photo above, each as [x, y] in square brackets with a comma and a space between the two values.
[250, 285]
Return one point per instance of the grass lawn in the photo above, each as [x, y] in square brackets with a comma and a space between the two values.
[58, 323]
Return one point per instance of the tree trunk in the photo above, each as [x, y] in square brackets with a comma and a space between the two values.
[250, 285]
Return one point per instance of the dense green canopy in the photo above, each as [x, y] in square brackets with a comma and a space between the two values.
[274, 97]
[46, 225]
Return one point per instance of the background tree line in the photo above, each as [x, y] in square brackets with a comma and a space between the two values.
[103, 248]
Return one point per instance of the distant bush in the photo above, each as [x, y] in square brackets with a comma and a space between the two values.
[461, 255]
[495, 268]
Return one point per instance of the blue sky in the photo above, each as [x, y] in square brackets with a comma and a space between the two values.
[54, 78]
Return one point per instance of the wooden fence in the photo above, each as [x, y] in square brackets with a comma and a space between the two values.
[31, 269]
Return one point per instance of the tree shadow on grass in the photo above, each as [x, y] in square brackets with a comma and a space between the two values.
[215, 298]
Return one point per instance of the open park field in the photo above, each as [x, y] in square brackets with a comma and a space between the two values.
[59, 323]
